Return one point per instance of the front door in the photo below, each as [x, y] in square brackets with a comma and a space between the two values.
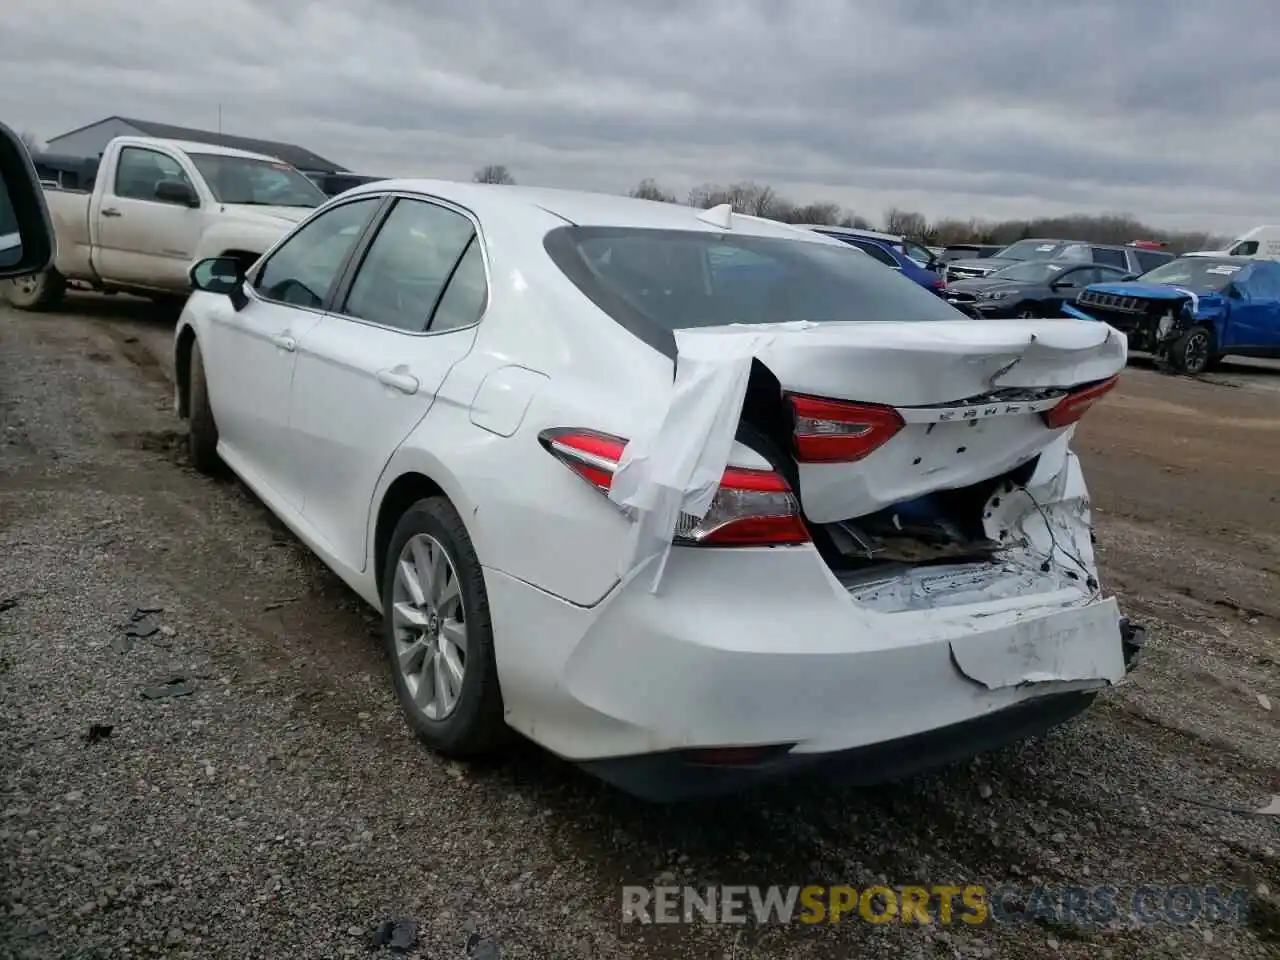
[370, 371]
[254, 350]
[138, 238]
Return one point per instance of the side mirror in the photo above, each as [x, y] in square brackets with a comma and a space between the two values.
[26, 235]
[1063, 285]
[223, 275]
[177, 191]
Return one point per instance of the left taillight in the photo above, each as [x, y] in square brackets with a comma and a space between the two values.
[1076, 403]
[840, 431]
[752, 508]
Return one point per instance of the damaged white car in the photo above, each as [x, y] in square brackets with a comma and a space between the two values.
[689, 498]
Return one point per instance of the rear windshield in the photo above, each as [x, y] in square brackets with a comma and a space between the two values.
[676, 279]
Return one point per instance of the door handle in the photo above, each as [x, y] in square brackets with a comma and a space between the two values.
[111, 212]
[285, 342]
[397, 379]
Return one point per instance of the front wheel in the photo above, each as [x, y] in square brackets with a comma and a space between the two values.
[438, 634]
[1192, 352]
[38, 291]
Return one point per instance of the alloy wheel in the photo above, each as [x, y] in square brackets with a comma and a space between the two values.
[430, 627]
[1195, 353]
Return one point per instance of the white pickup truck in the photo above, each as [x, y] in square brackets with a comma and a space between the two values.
[157, 206]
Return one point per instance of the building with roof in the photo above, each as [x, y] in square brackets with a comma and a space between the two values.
[91, 140]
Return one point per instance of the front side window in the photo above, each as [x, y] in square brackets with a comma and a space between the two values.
[306, 266]
[408, 265]
[1149, 261]
[664, 280]
[246, 180]
[1246, 248]
[139, 171]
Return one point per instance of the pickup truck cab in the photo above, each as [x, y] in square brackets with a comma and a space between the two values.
[153, 207]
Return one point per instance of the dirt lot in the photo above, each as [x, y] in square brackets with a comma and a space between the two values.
[282, 809]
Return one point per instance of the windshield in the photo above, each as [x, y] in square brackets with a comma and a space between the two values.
[676, 279]
[1031, 250]
[1200, 274]
[260, 182]
[1032, 272]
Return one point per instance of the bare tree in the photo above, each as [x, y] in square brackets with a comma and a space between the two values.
[494, 173]
[905, 223]
[821, 212]
[648, 189]
[855, 221]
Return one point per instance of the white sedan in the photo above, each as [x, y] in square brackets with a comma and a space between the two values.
[436, 386]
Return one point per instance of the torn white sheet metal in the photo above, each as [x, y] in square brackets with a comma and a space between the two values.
[675, 466]
[1081, 643]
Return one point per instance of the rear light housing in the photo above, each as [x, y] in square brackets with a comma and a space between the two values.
[839, 431]
[1076, 403]
[752, 508]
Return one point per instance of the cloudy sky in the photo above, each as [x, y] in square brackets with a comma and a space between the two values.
[990, 108]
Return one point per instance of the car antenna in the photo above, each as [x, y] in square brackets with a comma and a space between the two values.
[718, 216]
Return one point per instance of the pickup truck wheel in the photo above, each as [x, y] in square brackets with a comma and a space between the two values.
[40, 291]
[202, 432]
[438, 634]
[1192, 353]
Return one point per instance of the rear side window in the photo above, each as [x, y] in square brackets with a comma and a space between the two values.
[657, 281]
[1149, 261]
[1112, 258]
[408, 264]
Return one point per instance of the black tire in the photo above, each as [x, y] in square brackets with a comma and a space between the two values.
[1193, 351]
[42, 291]
[476, 725]
[202, 431]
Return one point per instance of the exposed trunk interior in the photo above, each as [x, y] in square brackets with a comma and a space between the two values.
[942, 528]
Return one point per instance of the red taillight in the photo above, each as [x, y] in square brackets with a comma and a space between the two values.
[752, 507]
[837, 431]
[1073, 406]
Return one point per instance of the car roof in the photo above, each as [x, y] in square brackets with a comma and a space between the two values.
[580, 208]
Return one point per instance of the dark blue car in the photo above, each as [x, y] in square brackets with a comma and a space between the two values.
[1193, 311]
[912, 259]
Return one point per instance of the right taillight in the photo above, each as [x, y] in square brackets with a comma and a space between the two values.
[752, 508]
[840, 431]
[1074, 405]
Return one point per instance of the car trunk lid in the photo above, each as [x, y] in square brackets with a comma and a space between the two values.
[960, 401]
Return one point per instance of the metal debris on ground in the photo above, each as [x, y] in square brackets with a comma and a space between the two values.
[177, 686]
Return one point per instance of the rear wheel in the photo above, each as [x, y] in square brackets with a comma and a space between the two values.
[202, 431]
[1192, 353]
[39, 291]
[437, 632]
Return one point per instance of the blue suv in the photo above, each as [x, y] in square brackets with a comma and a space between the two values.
[913, 259]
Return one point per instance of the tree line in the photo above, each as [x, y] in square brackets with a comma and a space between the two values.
[761, 200]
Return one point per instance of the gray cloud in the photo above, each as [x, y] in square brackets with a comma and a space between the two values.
[987, 107]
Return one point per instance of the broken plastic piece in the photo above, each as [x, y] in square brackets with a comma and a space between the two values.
[399, 935]
[98, 732]
[178, 686]
[141, 629]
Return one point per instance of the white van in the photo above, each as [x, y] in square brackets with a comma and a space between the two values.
[1262, 243]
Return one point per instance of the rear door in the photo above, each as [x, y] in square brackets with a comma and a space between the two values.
[140, 239]
[370, 370]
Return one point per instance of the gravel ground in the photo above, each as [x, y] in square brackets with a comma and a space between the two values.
[281, 808]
